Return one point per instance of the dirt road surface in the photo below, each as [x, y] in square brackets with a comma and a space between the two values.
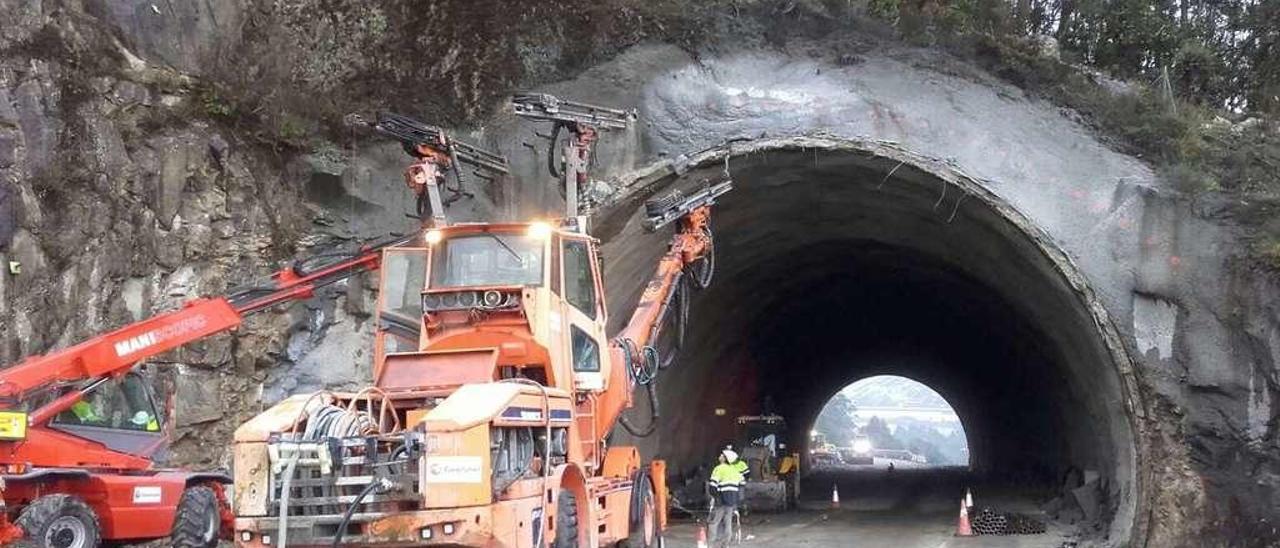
[904, 509]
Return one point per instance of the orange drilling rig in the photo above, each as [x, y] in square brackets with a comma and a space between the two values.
[495, 386]
[79, 427]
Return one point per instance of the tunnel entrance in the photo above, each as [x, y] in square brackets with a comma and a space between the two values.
[839, 260]
[887, 422]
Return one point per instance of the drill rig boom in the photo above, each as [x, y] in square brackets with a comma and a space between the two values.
[438, 153]
[584, 123]
[543, 106]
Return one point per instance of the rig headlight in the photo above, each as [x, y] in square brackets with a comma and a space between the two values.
[539, 230]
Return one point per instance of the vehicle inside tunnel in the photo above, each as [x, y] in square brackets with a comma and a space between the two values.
[836, 263]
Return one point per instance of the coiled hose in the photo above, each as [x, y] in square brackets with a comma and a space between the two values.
[326, 421]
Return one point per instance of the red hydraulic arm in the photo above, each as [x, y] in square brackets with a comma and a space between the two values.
[115, 353]
[690, 252]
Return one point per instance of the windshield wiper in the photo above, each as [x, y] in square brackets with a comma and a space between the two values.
[518, 258]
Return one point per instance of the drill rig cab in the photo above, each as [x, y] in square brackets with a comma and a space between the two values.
[494, 390]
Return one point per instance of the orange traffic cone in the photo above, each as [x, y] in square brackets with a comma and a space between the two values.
[835, 496]
[702, 536]
[962, 525]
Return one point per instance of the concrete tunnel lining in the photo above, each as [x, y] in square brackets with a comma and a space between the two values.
[828, 249]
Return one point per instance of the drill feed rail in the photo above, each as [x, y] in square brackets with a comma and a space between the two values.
[414, 133]
[660, 217]
[542, 106]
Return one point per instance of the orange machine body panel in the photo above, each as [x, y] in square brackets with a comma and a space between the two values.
[491, 349]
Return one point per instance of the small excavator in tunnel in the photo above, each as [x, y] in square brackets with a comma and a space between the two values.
[495, 386]
[80, 430]
[774, 482]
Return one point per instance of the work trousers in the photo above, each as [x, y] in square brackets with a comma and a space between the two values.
[722, 525]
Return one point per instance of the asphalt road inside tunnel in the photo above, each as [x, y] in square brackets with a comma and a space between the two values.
[905, 509]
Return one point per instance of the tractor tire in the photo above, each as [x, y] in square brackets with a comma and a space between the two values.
[198, 520]
[645, 533]
[60, 521]
[566, 520]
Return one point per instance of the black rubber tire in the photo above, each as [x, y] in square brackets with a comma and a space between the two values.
[198, 520]
[36, 518]
[566, 520]
[636, 538]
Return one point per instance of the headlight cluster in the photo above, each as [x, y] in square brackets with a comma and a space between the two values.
[462, 300]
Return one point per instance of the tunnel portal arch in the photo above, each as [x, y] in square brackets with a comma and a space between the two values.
[835, 251]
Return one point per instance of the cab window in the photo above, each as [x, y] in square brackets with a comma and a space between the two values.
[121, 404]
[579, 286]
[586, 353]
[403, 279]
[487, 259]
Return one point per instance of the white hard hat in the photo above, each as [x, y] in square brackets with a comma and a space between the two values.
[729, 455]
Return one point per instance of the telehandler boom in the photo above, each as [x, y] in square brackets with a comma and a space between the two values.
[79, 428]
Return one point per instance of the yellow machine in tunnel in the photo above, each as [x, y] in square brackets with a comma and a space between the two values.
[774, 482]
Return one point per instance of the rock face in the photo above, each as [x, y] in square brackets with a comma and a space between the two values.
[143, 161]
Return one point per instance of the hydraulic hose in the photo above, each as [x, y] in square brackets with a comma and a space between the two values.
[546, 442]
[284, 499]
[703, 273]
[325, 421]
[644, 371]
[551, 151]
[351, 510]
[653, 417]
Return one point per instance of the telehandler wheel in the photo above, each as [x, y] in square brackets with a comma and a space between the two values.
[198, 520]
[60, 521]
[566, 520]
[645, 532]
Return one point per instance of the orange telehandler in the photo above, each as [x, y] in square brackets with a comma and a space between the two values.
[495, 386]
[79, 427]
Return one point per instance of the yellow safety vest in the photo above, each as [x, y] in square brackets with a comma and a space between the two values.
[84, 411]
[727, 477]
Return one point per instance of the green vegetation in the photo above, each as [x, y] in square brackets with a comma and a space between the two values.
[214, 105]
[836, 421]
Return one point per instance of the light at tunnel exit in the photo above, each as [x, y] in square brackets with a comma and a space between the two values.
[887, 419]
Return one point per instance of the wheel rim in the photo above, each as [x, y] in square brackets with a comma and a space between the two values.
[211, 528]
[66, 532]
[649, 521]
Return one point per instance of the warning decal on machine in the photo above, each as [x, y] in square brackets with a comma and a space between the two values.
[454, 469]
[146, 494]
